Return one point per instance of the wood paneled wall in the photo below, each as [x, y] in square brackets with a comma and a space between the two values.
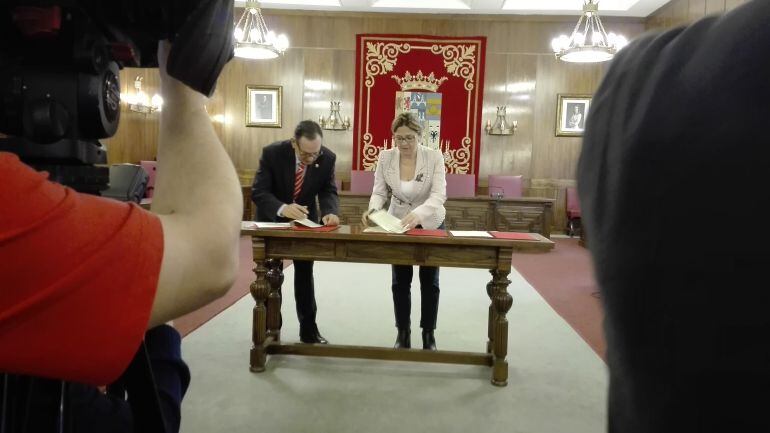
[681, 12]
[521, 72]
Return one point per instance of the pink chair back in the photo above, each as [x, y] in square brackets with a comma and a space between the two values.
[573, 203]
[460, 185]
[149, 167]
[361, 182]
[505, 186]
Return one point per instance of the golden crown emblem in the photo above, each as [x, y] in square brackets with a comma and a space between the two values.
[419, 81]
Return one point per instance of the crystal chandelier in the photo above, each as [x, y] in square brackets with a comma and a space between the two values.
[252, 38]
[140, 101]
[589, 43]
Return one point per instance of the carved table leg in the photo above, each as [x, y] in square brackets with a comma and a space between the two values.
[501, 301]
[275, 280]
[259, 291]
[491, 318]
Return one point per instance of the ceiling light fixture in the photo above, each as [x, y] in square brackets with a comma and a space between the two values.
[302, 2]
[422, 4]
[253, 40]
[589, 43]
[565, 6]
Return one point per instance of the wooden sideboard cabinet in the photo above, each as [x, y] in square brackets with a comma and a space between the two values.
[523, 214]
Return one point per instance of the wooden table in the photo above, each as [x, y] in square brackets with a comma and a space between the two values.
[349, 244]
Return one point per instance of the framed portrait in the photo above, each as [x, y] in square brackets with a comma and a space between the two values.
[571, 112]
[263, 106]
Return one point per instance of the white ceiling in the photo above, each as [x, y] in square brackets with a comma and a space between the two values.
[627, 8]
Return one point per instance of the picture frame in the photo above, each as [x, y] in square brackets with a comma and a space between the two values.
[263, 106]
[571, 113]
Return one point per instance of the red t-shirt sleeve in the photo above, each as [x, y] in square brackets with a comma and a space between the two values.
[78, 276]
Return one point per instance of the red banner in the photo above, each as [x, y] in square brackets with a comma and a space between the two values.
[439, 79]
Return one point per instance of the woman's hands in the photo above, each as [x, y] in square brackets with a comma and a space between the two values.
[365, 218]
[410, 221]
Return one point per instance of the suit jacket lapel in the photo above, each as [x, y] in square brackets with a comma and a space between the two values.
[290, 169]
[420, 171]
[394, 174]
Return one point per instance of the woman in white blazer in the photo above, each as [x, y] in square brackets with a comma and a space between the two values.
[413, 177]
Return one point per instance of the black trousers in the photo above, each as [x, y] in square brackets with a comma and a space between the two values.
[304, 294]
[32, 404]
[402, 296]
[429, 294]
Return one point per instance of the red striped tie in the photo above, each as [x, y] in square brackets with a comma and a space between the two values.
[299, 177]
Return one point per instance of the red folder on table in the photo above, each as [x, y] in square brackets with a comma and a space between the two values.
[314, 229]
[513, 236]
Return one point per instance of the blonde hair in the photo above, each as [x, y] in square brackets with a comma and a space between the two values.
[406, 119]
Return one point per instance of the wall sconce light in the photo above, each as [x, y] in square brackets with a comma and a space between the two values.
[139, 101]
[334, 122]
[501, 125]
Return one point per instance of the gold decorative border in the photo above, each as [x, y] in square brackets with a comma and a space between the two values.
[371, 153]
[459, 60]
[381, 58]
[457, 161]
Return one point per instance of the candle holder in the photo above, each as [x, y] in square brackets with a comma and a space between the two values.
[501, 125]
[334, 122]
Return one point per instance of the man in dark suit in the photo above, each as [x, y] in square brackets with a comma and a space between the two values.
[680, 122]
[292, 173]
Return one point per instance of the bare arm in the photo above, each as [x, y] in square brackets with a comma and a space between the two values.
[198, 200]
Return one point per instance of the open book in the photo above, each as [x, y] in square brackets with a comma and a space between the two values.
[386, 223]
[245, 225]
[248, 225]
[308, 223]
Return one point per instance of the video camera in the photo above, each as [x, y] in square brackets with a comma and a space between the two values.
[60, 94]
[59, 72]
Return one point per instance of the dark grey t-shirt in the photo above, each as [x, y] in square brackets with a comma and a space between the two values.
[674, 182]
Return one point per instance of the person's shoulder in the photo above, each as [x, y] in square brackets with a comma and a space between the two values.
[691, 58]
[276, 147]
[7, 158]
[328, 152]
[388, 153]
[434, 154]
[11, 164]
[682, 46]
